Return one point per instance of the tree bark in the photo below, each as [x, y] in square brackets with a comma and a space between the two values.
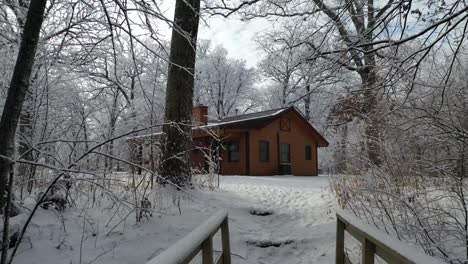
[370, 111]
[284, 91]
[307, 103]
[18, 88]
[177, 140]
[369, 79]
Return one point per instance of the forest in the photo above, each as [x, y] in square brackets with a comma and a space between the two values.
[385, 82]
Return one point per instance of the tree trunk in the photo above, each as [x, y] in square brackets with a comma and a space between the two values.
[24, 148]
[373, 122]
[114, 115]
[307, 103]
[175, 164]
[369, 81]
[284, 92]
[343, 152]
[17, 90]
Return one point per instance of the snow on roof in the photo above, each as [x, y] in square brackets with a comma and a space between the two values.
[242, 118]
[245, 118]
[229, 120]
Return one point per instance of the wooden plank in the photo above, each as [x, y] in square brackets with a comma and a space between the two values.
[207, 251]
[368, 251]
[375, 243]
[184, 250]
[388, 256]
[219, 259]
[191, 255]
[356, 233]
[247, 153]
[340, 231]
[225, 241]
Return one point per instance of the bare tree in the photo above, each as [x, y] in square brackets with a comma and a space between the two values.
[17, 91]
[12, 111]
[224, 84]
[179, 94]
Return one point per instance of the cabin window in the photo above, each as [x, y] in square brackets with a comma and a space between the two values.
[264, 150]
[308, 152]
[233, 151]
[285, 153]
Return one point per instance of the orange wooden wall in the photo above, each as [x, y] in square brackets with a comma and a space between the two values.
[298, 137]
[235, 167]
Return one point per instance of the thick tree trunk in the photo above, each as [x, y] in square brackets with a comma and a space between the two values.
[372, 119]
[343, 146]
[24, 149]
[307, 103]
[284, 92]
[17, 90]
[370, 83]
[175, 164]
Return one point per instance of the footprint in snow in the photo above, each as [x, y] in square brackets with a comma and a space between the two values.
[260, 212]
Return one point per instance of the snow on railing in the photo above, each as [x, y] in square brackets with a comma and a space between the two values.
[200, 239]
[374, 242]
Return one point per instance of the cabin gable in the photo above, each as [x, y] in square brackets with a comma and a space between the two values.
[287, 129]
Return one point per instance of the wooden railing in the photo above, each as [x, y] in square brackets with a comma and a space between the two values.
[200, 239]
[374, 242]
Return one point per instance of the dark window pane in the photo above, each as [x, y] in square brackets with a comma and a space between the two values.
[233, 151]
[308, 152]
[264, 150]
[285, 153]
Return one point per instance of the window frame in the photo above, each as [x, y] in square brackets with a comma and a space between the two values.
[282, 145]
[263, 151]
[230, 151]
[308, 154]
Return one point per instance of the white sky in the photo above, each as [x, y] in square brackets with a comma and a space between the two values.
[232, 33]
[236, 36]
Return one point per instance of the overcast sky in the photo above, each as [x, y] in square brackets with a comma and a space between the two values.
[232, 33]
[236, 36]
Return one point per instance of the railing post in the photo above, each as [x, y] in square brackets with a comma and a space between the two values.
[207, 251]
[340, 230]
[225, 241]
[368, 251]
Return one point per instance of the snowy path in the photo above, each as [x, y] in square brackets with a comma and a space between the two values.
[302, 226]
[302, 218]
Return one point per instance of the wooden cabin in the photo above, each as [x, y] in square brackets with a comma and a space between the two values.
[274, 142]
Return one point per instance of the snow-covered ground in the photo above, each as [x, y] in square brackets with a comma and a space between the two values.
[301, 225]
[301, 214]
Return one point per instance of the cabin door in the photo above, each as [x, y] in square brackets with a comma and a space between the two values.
[285, 159]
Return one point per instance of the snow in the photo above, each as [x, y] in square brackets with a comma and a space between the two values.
[217, 124]
[300, 230]
[301, 214]
[181, 250]
[409, 252]
[275, 219]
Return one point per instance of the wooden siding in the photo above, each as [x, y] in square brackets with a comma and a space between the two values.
[234, 167]
[298, 137]
[295, 132]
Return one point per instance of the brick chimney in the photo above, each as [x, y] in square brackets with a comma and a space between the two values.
[200, 115]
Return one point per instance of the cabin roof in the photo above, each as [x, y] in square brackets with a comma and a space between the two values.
[260, 119]
[249, 116]
[251, 120]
